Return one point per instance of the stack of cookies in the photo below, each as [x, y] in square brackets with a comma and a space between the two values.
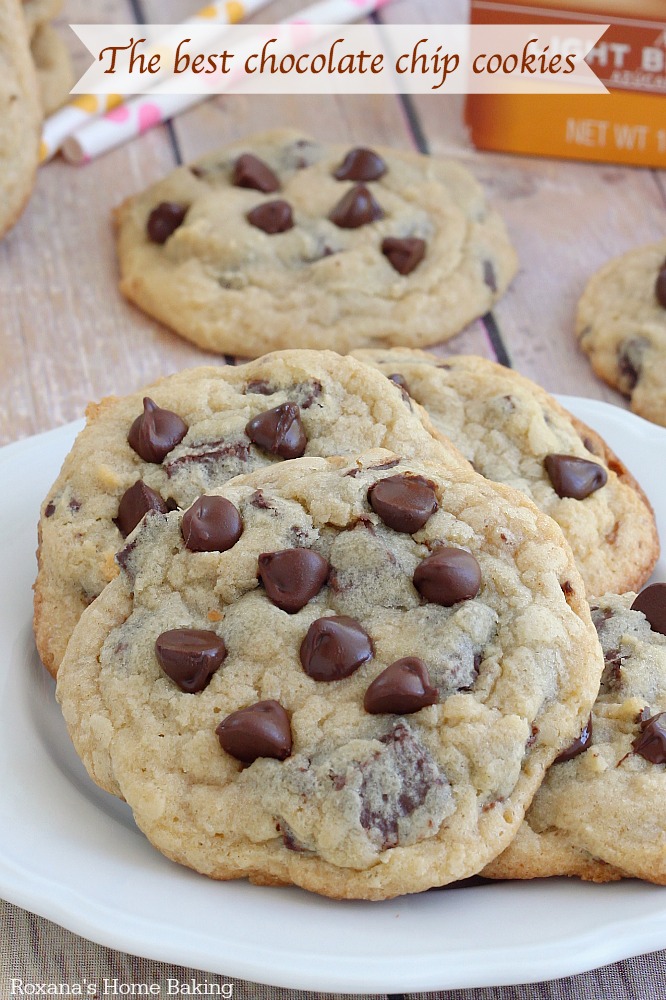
[307, 642]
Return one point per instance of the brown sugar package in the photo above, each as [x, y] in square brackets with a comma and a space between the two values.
[625, 126]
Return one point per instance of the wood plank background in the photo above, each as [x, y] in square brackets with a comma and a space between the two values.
[67, 336]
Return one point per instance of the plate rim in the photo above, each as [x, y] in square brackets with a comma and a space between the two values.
[555, 958]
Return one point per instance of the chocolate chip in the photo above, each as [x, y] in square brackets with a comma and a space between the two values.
[400, 381]
[448, 576]
[212, 524]
[652, 602]
[630, 362]
[260, 730]
[135, 502]
[279, 431]
[489, 277]
[660, 286]
[356, 208]
[292, 577]
[155, 432]
[403, 255]
[164, 220]
[49, 510]
[579, 745]
[360, 164]
[251, 172]
[272, 217]
[651, 743]
[334, 648]
[404, 687]
[190, 656]
[404, 503]
[574, 477]
[260, 386]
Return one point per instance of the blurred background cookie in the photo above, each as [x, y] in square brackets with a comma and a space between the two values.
[20, 115]
[621, 325]
[281, 241]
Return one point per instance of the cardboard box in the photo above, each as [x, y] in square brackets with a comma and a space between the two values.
[626, 126]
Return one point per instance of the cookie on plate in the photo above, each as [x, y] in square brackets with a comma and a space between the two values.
[189, 433]
[283, 241]
[348, 673]
[621, 325]
[512, 431]
[20, 115]
[601, 811]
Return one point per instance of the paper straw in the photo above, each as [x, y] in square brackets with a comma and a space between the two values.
[86, 108]
[142, 113]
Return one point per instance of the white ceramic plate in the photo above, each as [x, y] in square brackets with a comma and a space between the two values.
[70, 852]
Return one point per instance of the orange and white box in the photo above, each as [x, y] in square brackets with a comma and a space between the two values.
[628, 125]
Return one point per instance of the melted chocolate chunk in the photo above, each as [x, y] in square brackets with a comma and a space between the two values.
[630, 362]
[574, 477]
[360, 164]
[272, 217]
[404, 687]
[651, 743]
[260, 730]
[279, 431]
[404, 255]
[448, 576]
[74, 505]
[165, 220]
[652, 602]
[49, 510]
[124, 556]
[135, 502]
[579, 745]
[404, 503]
[259, 501]
[155, 432]
[289, 838]
[251, 172]
[190, 656]
[314, 393]
[356, 208]
[660, 286]
[209, 455]
[334, 648]
[395, 783]
[259, 386]
[212, 524]
[292, 577]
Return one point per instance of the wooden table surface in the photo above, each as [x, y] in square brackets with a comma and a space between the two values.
[67, 336]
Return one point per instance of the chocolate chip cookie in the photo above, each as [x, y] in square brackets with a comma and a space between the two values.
[20, 115]
[346, 674]
[164, 446]
[601, 811]
[512, 431]
[621, 325]
[282, 241]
